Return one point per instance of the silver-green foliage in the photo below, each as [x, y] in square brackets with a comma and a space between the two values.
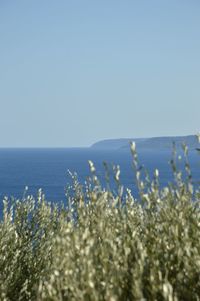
[104, 246]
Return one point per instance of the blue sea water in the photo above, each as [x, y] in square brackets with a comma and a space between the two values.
[47, 168]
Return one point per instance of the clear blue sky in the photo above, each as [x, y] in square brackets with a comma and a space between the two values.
[76, 71]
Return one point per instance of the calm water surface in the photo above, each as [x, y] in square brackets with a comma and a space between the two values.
[47, 168]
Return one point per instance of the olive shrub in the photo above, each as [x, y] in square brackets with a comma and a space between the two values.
[103, 245]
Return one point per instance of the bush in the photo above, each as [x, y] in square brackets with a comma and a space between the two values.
[103, 246]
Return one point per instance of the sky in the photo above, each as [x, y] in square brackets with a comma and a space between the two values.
[73, 72]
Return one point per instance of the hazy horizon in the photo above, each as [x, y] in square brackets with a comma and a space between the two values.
[76, 72]
[101, 140]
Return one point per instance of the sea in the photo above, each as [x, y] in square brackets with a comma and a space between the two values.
[25, 171]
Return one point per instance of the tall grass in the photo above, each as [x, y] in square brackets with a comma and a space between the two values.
[104, 246]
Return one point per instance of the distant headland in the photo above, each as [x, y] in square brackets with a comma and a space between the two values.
[154, 143]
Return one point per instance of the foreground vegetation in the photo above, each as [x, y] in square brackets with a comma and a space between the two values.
[104, 245]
